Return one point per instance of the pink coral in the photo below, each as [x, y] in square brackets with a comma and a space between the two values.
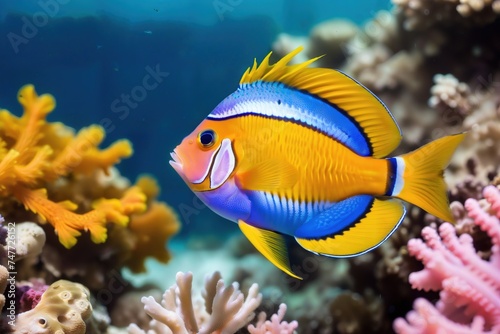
[470, 296]
[274, 326]
[31, 297]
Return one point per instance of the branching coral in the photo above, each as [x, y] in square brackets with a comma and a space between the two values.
[226, 309]
[34, 153]
[274, 326]
[145, 236]
[470, 296]
[448, 92]
[63, 308]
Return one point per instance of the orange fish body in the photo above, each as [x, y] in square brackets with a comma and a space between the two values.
[301, 152]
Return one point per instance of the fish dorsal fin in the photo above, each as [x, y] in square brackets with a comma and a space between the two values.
[271, 244]
[343, 93]
[276, 72]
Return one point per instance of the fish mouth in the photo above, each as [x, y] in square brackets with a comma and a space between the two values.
[176, 163]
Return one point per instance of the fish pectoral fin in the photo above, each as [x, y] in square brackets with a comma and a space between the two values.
[351, 227]
[268, 175]
[271, 244]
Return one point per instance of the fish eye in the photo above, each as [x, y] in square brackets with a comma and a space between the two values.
[206, 138]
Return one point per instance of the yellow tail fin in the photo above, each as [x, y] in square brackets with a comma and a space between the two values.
[422, 176]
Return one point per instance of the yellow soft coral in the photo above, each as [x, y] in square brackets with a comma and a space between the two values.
[151, 229]
[34, 153]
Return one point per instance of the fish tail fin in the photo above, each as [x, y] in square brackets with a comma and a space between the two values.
[418, 176]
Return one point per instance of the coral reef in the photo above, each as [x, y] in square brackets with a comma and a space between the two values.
[152, 229]
[30, 239]
[433, 62]
[470, 286]
[420, 14]
[275, 325]
[62, 178]
[327, 39]
[129, 308]
[35, 152]
[63, 308]
[226, 309]
[127, 246]
[31, 295]
[4, 275]
[448, 92]
[65, 179]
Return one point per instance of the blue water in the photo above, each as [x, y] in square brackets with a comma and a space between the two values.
[148, 71]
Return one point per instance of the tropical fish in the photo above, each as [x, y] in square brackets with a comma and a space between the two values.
[300, 152]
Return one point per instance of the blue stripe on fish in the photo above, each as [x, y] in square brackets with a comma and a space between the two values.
[278, 101]
[335, 220]
[392, 171]
[271, 211]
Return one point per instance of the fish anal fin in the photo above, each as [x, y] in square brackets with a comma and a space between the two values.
[364, 232]
[270, 244]
[268, 175]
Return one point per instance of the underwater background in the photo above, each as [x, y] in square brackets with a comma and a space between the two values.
[93, 53]
[435, 63]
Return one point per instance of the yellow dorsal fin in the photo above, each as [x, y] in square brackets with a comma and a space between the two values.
[338, 89]
[275, 72]
[271, 244]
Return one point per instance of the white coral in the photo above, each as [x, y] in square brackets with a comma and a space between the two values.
[30, 239]
[226, 308]
[448, 91]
